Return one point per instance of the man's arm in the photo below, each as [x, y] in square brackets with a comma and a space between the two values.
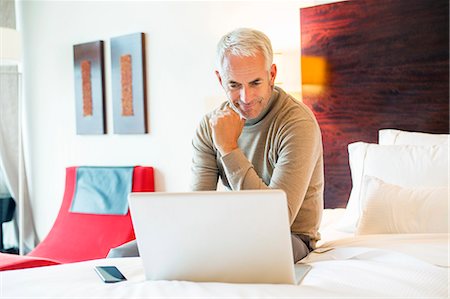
[299, 148]
[205, 173]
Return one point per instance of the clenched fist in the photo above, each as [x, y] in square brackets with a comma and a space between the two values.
[226, 128]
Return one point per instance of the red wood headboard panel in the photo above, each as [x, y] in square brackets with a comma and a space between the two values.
[388, 67]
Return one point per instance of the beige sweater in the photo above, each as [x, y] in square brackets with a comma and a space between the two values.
[281, 149]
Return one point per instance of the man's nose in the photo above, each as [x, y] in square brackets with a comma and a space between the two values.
[245, 95]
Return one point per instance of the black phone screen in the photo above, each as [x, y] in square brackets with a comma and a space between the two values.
[109, 274]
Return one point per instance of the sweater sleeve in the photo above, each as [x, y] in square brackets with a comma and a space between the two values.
[205, 172]
[298, 148]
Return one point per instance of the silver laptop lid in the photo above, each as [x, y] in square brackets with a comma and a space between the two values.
[215, 236]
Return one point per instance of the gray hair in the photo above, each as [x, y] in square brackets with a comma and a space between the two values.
[244, 42]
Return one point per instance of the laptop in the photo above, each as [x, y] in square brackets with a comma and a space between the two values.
[212, 236]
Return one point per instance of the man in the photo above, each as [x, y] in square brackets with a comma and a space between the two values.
[261, 138]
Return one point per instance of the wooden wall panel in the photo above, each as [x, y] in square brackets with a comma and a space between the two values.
[388, 67]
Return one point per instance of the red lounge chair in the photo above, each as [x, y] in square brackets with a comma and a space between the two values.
[78, 237]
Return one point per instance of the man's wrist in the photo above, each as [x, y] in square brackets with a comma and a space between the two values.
[226, 150]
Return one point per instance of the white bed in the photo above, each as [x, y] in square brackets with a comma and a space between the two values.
[391, 240]
[382, 265]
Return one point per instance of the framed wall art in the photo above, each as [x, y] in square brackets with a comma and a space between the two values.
[89, 88]
[128, 84]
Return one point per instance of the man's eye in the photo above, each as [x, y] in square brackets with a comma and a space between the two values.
[233, 85]
[255, 83]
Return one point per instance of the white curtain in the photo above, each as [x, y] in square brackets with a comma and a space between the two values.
[9, 158]
[10, 146]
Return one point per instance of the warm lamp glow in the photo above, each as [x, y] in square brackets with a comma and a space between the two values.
[314, 70]
[9, 46]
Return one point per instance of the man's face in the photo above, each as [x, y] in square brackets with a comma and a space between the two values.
[248, 83]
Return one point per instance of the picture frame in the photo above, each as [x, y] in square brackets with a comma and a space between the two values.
[128, 84]
[89, 88]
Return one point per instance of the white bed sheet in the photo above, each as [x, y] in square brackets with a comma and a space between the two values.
[412, 266]
[328, 226]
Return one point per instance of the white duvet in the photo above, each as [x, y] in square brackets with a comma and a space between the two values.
[413, 266]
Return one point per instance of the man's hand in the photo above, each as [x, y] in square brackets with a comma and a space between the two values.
[226, 128]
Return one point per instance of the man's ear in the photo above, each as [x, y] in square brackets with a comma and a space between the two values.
[273, 74]
[219, 77]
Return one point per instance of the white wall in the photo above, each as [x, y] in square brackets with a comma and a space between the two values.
[180, 48]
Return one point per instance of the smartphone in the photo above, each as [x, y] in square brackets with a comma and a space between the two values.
[109, 274]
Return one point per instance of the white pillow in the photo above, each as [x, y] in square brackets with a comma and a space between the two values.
[388, 209]
[403, 165]
[393, 136]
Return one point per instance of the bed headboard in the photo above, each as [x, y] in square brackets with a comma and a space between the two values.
[387, 67]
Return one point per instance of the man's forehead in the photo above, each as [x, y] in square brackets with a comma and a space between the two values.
[241, 74]
[230, 76]
[231, 80]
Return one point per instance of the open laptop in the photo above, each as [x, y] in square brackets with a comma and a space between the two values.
[211, 236]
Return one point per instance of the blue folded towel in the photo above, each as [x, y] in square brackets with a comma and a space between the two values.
[102, 190]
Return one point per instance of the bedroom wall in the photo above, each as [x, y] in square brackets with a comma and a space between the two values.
[387, 67]
[180, 47]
